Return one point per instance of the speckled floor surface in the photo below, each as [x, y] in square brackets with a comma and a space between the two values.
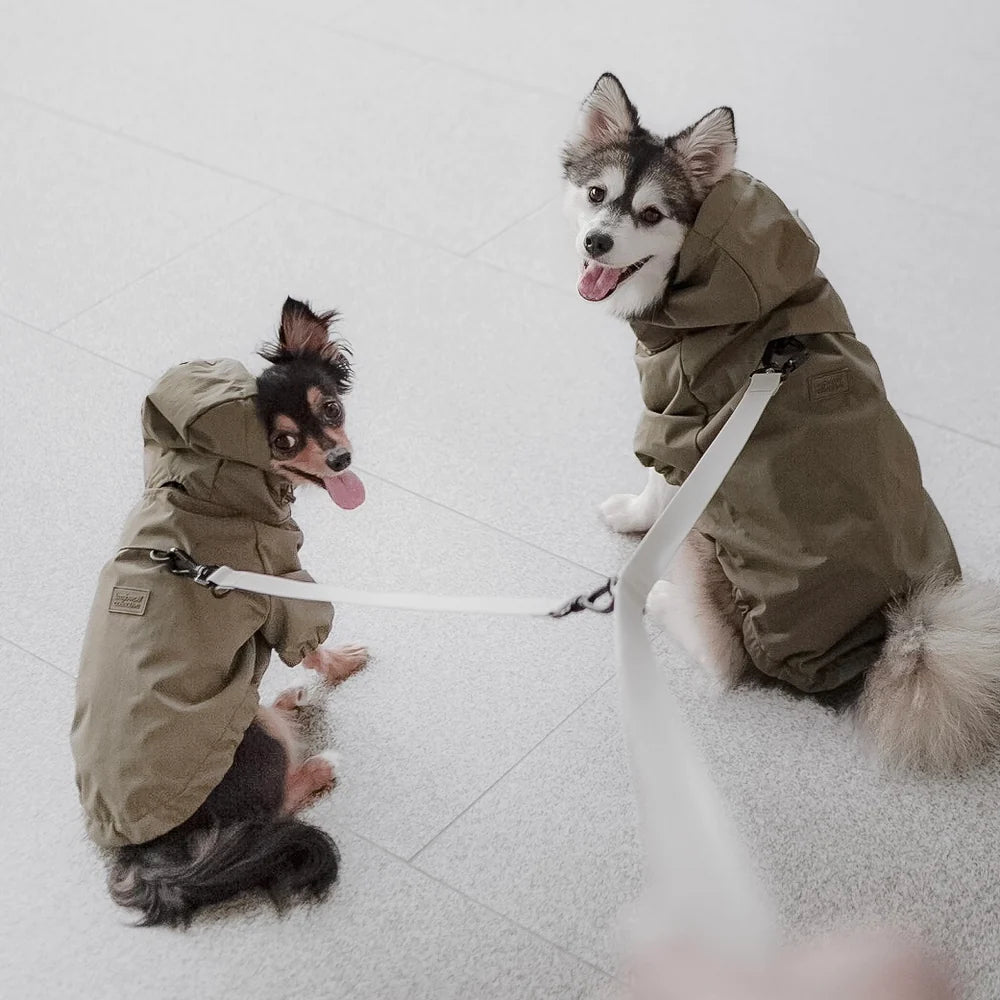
[169, 171]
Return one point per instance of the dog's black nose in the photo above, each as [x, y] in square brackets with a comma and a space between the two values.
[597, 243]
[338, 459]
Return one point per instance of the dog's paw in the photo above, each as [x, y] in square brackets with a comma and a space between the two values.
[337, 664]
[321, 772]
[350, 659]
[627, 513]
[314, 777]
[662, 604]
[293, 698]
[332, 757]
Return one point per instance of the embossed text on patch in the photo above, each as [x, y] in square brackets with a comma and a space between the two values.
[127, 601]
[829, 384]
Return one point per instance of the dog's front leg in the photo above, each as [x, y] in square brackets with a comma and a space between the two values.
[337, 664]
[630, 512]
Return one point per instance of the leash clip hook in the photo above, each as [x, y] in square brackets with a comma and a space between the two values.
[591, 601]
[181, 564]
[783, 356]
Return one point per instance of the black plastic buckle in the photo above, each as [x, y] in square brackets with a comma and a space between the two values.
[591, 601]
[783, 356]
[181, 564]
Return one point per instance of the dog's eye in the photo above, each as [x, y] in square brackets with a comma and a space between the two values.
[596, 195]
[333, 412]
[651, 215]
[285, 443]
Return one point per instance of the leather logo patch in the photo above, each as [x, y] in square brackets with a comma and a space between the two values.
[126, 601]
[829, 384]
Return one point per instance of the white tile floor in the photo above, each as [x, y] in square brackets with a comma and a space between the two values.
[170, 170]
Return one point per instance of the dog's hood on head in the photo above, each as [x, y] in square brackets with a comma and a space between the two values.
[746, 254]
[207, 408]
[201, 431]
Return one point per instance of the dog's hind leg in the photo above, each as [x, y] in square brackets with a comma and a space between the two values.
[303, 778]
[312, 777]
[279, 722]
[696, 607]
[292, 698]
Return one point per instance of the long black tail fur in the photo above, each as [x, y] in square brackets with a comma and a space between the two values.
[169, 879]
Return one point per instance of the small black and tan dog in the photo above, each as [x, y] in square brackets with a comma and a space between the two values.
[183, 775]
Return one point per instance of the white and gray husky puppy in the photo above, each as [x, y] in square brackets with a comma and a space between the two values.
[932, 698]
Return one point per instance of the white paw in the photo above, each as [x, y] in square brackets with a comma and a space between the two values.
[293, 698]
[662, 604]
[669, 606]
[333, 758]
[627, 512]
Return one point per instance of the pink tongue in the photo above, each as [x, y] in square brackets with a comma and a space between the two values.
[346, 490]
[597, 281]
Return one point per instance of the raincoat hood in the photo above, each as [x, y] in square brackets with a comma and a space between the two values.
[745, 254]
[201, 430]
[207, 408]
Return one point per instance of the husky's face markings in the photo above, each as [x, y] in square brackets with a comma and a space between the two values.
[634, 196]
[630, 222]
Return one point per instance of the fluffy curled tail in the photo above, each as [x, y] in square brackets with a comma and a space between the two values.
[171, 878]
[932, 700]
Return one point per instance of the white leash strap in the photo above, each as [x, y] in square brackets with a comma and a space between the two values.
[700, 885]
[222, 579]
[225, 578]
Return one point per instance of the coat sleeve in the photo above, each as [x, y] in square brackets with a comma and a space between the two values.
[667, 435]
[294, 628]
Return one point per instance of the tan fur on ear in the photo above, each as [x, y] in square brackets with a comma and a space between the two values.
[607, 114]
[708, 148]
[304, 331]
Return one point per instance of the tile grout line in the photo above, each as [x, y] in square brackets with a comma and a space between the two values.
[79, 347]
[507, 228]
[520, 85]
[562, 949]
[908, 200]
[197, 245]
[129, 137]
[599, 574]
[381, 226]
[41, 659]
[537, 282]
[593, 694]
[119, 133]
[951, 430]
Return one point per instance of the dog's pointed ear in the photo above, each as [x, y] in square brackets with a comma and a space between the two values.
[708, 148]
[302, 331]
[607, 114]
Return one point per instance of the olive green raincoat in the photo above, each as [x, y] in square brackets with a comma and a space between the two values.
[823, 519]
[168, 676]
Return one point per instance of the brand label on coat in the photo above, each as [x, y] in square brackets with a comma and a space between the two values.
[126, 601]
[828, 384]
